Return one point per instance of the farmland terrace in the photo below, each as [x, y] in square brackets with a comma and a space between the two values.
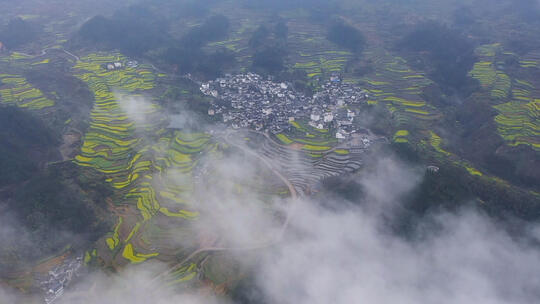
[160, 174]
[514, 92]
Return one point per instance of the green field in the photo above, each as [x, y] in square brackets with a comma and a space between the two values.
[516, 97]
[399, 88]
[15, 90]
[113, 147]
[310, 139]
[519, 123]
[486, 72]
[401, 136]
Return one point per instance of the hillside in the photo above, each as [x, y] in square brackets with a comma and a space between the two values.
[187, 133]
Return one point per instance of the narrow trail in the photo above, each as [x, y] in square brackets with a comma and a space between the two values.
[44, 52]
[292, 189]
[72, 55]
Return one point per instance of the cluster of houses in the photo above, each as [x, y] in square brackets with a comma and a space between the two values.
[249, 101]
[111, 66]
[57, 279]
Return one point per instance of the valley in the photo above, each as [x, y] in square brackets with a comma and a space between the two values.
[164, 145]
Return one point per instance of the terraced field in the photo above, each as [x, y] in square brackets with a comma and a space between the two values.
[401, 136]
[519, 123]
[118, 146]
[309, 139]
[515, 97]
[400, 88]
[242, 27]
[531, 60]
[305, 168]
[486, 71]
[434, 142]
[519, 119]
[154, 170]
[109, 143]
[313, 53]
[15, 90]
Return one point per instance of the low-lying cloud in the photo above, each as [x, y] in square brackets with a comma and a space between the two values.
[344, 257]
[132, 286]
[136, 107]
[347, 254]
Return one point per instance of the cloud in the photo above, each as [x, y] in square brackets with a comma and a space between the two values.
[6, 296]
[341, 254]
[145, 113]
[14, 238]
[231, 206]
[132, 286]
[347, 254]
[343, 257]
[137, 108]
[387, 181]
[185, 120]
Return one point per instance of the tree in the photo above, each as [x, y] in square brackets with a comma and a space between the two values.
[269, 60]
[346, 36]
[17, 33]
[259, 37]
[281, 30]
[133, 31]
[450, 55]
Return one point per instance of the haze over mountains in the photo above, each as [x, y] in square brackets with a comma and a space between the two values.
[240, 151]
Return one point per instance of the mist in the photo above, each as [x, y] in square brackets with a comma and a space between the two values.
[344, 257]
[286, 238]
[338, 252]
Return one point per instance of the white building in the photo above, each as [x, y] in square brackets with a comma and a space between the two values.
[328, 117]
[132, 64]
[315, 115]
[433, 169]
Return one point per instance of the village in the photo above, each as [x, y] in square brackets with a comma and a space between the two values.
[54, 283]
[249, 101]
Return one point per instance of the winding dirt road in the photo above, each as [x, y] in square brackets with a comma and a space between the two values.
[44, 52]
[294, 196]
